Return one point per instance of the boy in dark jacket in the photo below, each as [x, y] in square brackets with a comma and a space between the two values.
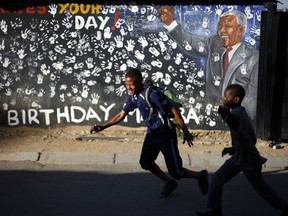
[245, 156]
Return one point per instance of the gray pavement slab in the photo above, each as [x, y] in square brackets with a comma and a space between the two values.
[205, 161]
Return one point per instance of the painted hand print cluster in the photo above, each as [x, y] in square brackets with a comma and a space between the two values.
[65, 63]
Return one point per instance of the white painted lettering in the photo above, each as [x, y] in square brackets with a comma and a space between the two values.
[190, 116]
[73, 116]
[107, 110]
[65, 114]
[103, 22]
[32, 116]
[47, 113]
[91, 22]
[91, 114]
[23, 116]
[79, 22]
[13, 118]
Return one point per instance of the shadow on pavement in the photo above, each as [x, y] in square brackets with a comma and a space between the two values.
[118, 192]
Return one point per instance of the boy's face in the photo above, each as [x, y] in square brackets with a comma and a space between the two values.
[132, 85]
[229, 99]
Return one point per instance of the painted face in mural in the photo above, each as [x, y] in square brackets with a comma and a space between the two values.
[230, 31]
[166, 14]
[132, 86]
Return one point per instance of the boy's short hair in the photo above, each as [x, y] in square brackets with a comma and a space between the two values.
[237, 91]
[134, 73]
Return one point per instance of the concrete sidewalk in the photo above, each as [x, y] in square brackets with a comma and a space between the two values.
[118, 145]
[208, 161]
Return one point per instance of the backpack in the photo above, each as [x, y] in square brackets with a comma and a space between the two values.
[167, 93]
[170, 96]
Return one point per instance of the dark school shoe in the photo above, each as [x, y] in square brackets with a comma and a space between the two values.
[168, 188]
[203, 182]
[211, 212]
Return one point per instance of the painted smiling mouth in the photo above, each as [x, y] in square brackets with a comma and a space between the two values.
[225, 37]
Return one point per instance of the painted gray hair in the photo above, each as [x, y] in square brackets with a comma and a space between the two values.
[241, 17]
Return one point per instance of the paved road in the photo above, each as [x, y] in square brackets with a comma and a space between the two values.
[29, 188]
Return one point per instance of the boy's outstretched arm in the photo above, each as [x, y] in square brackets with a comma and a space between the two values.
[180, 122]
[231, 120]
[115, 120]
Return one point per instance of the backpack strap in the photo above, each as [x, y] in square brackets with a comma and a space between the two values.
[147, 99]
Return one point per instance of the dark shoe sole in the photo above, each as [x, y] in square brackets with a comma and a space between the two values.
[168, 192]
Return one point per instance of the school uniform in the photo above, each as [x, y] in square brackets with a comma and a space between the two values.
[161, 135]
[246, 159]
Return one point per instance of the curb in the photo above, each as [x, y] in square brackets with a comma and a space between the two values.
[76, 158]
[20, 156]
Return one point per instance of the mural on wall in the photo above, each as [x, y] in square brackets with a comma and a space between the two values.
[65, 63]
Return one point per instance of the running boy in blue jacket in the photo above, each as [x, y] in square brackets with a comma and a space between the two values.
[161, 134]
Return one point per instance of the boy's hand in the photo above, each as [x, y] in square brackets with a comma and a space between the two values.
[224, 111]
[229, 150]
[188, 137]
[96, 128]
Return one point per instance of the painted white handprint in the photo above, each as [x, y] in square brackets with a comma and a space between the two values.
[123, 67]
[164, 36]
[3, 26]
[140, 56]
[178, 85]
[250, 40]
[167, 79]
[25, 33]
[6, 62]
[85, 92]
[118, 79]
[178, 58]
[132, 64]
[248, 12]
[154, 51]
[52, 9]
[107, 33]
[119, 41]
[89, 63]
[143, 42]
[96, 71]
[130, 45]
[21, 53]
[157, 76]
[44, 69]
[43, 24]
[74, 89]
[119, 91]
[219, 9]
[95, 98]
[40, 79]
[152, 14]
[145, 66]
[255, 30]
[119, 23]
[172, 44]
[17, 23]
[162, 45]
[109, 89]
[157, 63]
